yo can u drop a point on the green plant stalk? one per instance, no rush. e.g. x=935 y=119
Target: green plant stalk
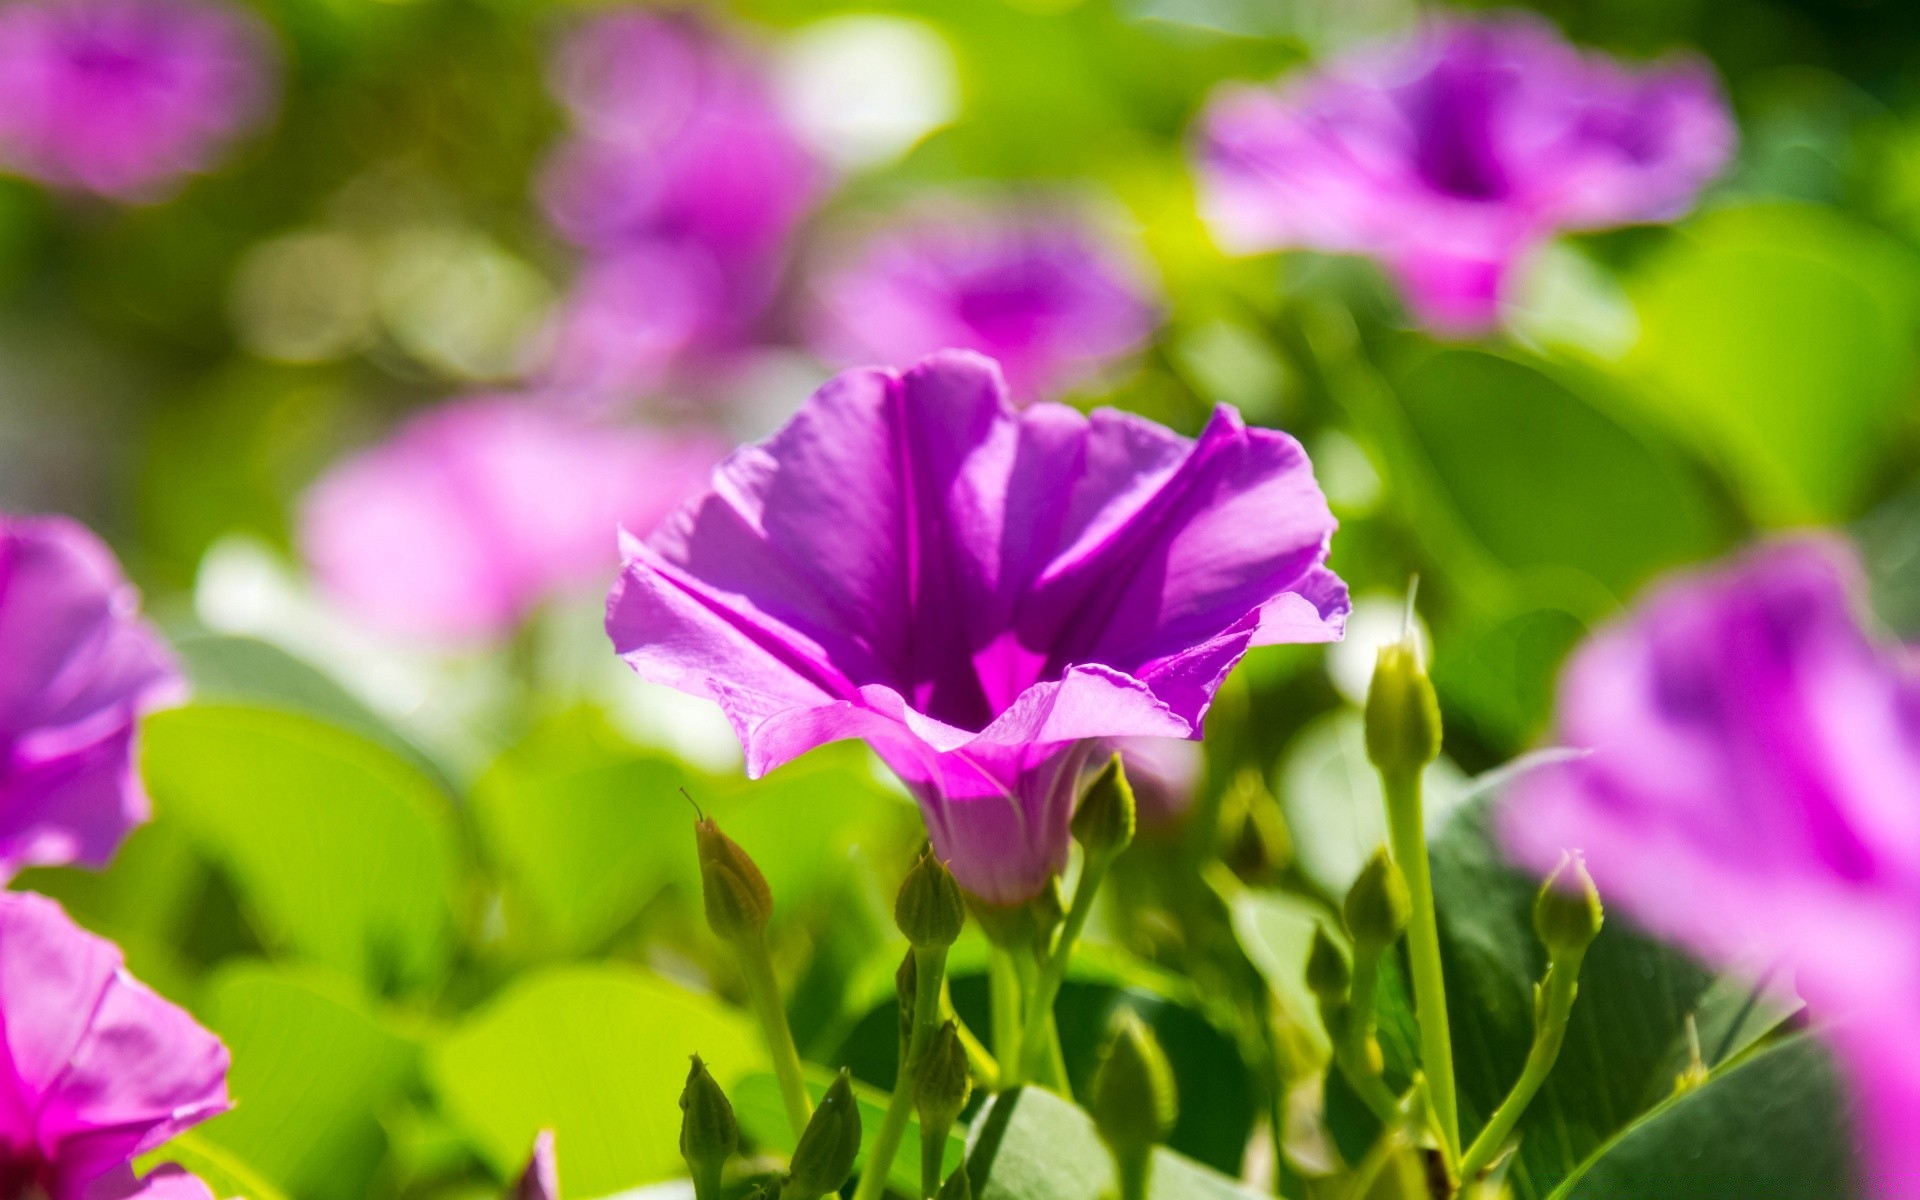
x=1133 y=1169
x=706 y=1182
x=1004 y=980
x=930 y=970
x=1406 y=830
x=933 y=1157
x=763 y=995
x=1041 y=1036
x=1557 y=992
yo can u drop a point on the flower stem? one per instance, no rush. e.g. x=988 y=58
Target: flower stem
x=1041 y=1037
x=763 y=994
x=931 y=968
x=933 y=1157
x=1406 y=829
x=1551 y=1010
x=1004 y=979
x=1134 y=1169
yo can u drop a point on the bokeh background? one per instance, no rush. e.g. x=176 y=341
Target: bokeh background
x=436 y=889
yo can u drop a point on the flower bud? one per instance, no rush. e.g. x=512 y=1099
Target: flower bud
x=1329 y=974
x=1103 y=823
x=738 y=900
x=1254 y=840
x=944 y=1082
x=1567 y=913
x=957 y=1186
x=709 y=1134
x=831 y=1141
x=1134 y=1102
x=1403 y=714
x=1378 y=905
x=929 y=908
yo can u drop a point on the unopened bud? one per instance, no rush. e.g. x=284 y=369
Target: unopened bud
x=1255 y=843
x=1403 y=713
x=1103 y=823
x=957 y=1186
x=709 y=1134
x=944 y=1081
x=1134 y=1102
x=738 y=900
x=929 y=908
x=1329 y=974
x=828 y=1145
x=1567 y=914
x=1378 y=905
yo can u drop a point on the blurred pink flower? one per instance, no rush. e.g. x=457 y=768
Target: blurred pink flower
x=1452 y=154
x=682 y=176
x=983 y=594
x=541 y=1179
x=478 y=510
x=123 y=97
x=1036 y=291
x=1753 y=792
x=98 y=1070
x=77 y=668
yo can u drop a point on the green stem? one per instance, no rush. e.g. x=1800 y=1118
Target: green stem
x=1004 y=980
x=1134 y=1168
x=930 y=969
x=1407 y=831
x=986 y=1069
x=1558 y=989
x=933 y=1157
x=706 y=1182
x=763 y=994
x=1039 y=1039
x=1349 y=1054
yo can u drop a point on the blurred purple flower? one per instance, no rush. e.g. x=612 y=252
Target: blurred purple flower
x=1036 y=291
x=682 y=175
x=77 y=668
x=98 y=1070
x=541 y=1179
x=478 y=510
x=1751 y=793
x=123 y=97
x=983 y=594
x=1452 y=154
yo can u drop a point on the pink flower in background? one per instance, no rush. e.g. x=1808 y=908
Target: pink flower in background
x=1034 y=290
x=683 y=178
x=541 y=1179
x=983 y=594
x=1451 y=155
x=478 y=510
x=77 y=668
x=98 y=1070
x=1753 y=792
x=123 y=97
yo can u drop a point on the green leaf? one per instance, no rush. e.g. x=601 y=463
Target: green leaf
x=312 y=1068
x=1538 y=461
x=342 y=852
x=1781 y=336
x=599 y=1054
x=225 y=1175
x=1772 y=1125
x=763 y=1116
x=1029 y=1144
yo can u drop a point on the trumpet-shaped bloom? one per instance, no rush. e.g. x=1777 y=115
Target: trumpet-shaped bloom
x=478 y=510
x=983 y=594
x=1452 y=154
x=1035 y=291
x=77 y=668
x=98 y=1069
x=1751 y=793
x=123 y=97
x=684 y=181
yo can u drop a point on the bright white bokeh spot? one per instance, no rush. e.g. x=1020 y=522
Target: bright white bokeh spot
x=1377 y=620
x=864 y=89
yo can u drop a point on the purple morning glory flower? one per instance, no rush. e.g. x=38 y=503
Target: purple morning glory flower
x=1452 y=154
x=983 y=594
x=1035 y=290
x=124 y=97
x=98 y=1070
x=478 y=510
x=1751 y=793
x=77 y=669
x=683 y=178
